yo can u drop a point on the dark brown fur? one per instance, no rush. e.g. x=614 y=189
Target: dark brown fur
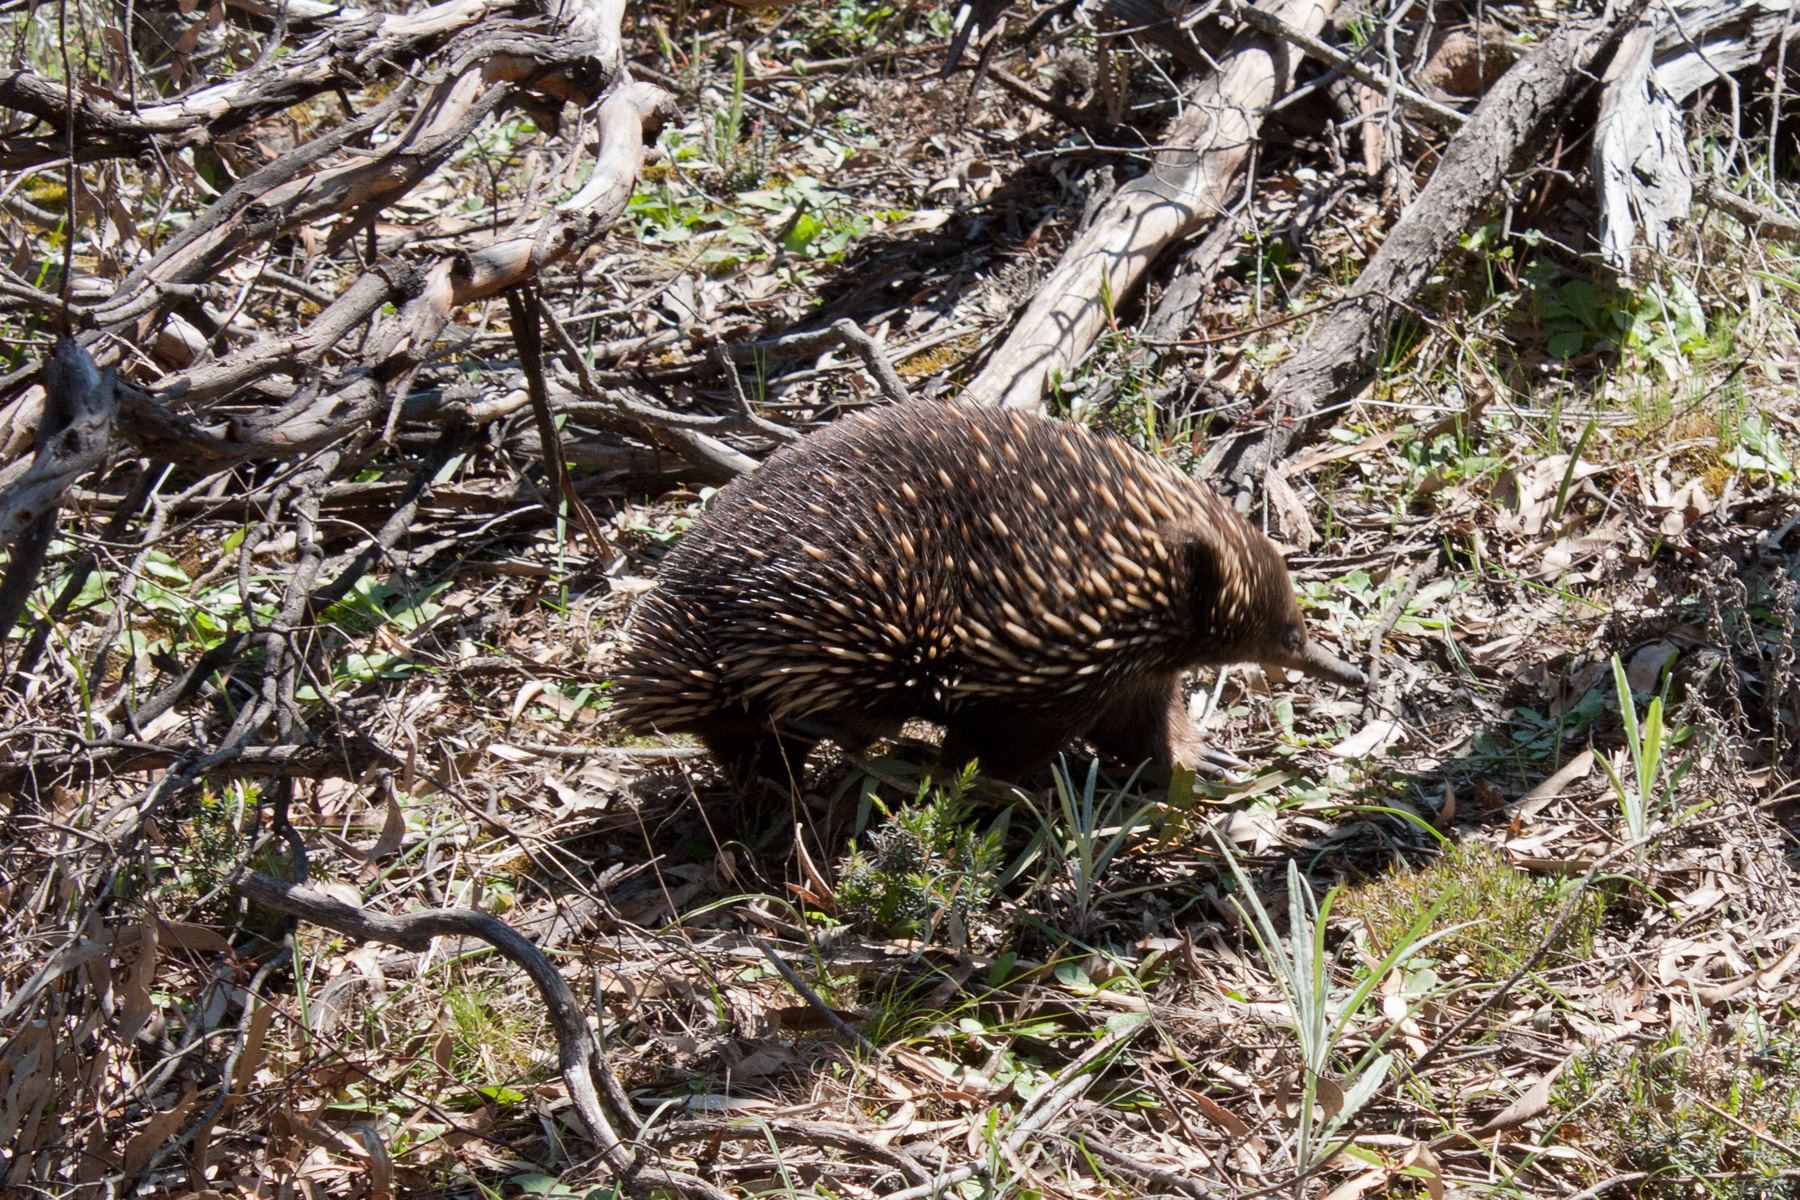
x=1023 y=581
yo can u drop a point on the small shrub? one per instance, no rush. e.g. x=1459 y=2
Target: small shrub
x=924 y=862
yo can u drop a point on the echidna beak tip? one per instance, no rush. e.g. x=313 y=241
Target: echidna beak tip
x=1320 y=663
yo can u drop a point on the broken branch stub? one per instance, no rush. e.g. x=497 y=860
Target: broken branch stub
x=1640 y=158
x=75 y=436
x=1190 y=183
x=1512 y=120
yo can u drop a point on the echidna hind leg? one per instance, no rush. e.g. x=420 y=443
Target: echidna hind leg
x=748 y=752
x=1151 y=723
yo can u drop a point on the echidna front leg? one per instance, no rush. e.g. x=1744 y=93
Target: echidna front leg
x=1151 y=722
x=1009 y=743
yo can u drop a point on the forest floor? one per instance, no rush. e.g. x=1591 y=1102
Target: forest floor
x=1558 y=955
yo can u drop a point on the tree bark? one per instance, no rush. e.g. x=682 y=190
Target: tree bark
x=74 y=437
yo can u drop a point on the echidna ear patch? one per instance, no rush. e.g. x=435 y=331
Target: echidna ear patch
x=1205 y=575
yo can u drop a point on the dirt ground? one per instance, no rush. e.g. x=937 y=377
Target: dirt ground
x=1518 y=920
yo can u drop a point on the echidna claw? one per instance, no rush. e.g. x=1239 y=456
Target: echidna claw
x=1221 y=766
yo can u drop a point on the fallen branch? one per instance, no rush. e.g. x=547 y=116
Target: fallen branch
x=1188 y=185
x=1760 y=221
x=1511 y=121
x=578 y=1054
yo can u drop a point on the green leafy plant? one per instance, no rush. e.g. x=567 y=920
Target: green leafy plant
x=923 y=863
x=742 y=160
x=1648 y=791
x=1302 y=967
x=808 y=219
x=1759 y=449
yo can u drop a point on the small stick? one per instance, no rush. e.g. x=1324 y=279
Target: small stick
x=813 y=998
x=527 y=333
x=741 y=400
x=1389 y=619
x=886 y=378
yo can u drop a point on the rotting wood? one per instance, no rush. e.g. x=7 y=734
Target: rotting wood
x=1189 y=183
x=1639 y=161
x=1640 y=158
x=1336 y=361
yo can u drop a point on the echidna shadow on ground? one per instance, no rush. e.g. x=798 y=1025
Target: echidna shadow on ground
x=1023 y=582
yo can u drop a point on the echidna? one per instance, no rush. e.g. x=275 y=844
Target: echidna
x=1022 y=581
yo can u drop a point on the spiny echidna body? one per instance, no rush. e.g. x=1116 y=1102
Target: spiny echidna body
x=1022 y=581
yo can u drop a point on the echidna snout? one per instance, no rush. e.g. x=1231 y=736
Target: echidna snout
x=1301 y=653
x=1021 y=581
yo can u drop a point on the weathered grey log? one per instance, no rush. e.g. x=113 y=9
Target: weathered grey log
x=1190 y=182
x=75 y=436
x=1511 y=121
x=1640 y=160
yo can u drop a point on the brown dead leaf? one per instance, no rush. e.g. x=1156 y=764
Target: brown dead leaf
x=393 y=830
x=25 y=1076
x=255 y=1040
x=1330 y=1096
x=1350 y=1189
x=511 y=754
x=1532 y=1104
x=1574 y=771
x=1447 y=810
x=1290 y=512
x=1251 y=1148
x=380 y=1162
x=1420 y=1160
x=767 y=1059
x=1768 y=977
x=1488 y=795
x=134 y=994
x=1531 y=491
x=155 y=1134
x=952 y=1077
x=1646 y=665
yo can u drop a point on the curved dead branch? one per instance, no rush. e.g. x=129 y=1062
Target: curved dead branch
x=578 y=1054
